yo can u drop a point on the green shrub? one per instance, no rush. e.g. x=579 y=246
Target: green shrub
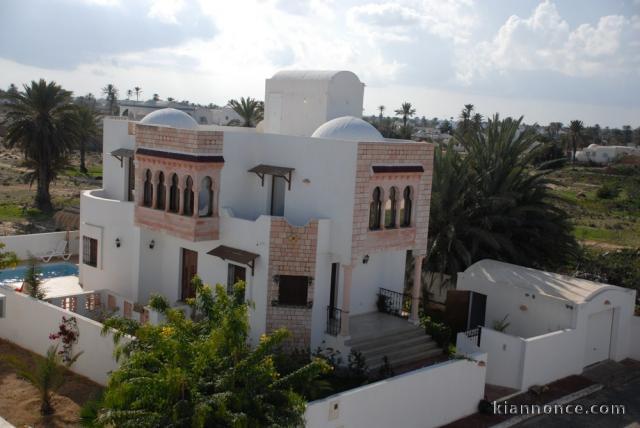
x=439 y=331
x=608 y=191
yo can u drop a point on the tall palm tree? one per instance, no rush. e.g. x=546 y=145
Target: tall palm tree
x=138 y=91
x=43 y=123
x=250 y=110
x=129 y=93
x=156 y=97
x=88 y=122
x=492 y=204
x=111 y=93
x=405 y=111
x=576 y=128
x=381 y=110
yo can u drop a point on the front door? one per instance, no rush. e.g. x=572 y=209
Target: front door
x=333 y=296
x=278 y=190
x=189 y=270
x=478 y=310
x=599 y=330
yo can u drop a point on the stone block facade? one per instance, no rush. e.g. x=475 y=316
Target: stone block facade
x=177 y=140
x=292 y=251
x=395 y=154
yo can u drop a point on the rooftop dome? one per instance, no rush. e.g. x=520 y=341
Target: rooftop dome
x=348 y=128
x=170 y=117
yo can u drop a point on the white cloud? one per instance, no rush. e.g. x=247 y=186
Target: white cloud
x=166 y=10
x=545 y=41
x=399 y=20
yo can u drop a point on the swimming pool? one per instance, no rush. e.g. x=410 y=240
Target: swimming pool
x=47 y=270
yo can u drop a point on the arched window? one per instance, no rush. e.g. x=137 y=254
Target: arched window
x=188 y=197
x=375 y=209
x=174 y=195
x=147 y=197
x=205 y=198
x=390 y=209
x=160 y=192
x=405 y=210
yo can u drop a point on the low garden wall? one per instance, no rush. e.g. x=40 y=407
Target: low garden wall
x=28 y=322
x=37 y=243
x=634 y=352
x=519 y=363
x=428 y=397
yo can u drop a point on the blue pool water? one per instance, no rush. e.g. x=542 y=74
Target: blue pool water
x=47 y=270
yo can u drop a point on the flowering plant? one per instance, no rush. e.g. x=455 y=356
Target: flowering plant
x=68 y=334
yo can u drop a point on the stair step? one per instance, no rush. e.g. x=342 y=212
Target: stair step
x=396 y=334
x=391 y=345
x=404 y=360
x=419 y=348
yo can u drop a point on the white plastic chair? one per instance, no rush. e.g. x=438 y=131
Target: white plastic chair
x=60 y=251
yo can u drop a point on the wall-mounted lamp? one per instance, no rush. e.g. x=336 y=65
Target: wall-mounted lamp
x=365 y=259
x=306 y=181
x=276 y=278
x=152 y=244
x=118 y=242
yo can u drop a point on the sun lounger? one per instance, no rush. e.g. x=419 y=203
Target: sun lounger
x=60 y=251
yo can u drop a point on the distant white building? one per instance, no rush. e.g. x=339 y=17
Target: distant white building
x=604 y=154
x=136 y=110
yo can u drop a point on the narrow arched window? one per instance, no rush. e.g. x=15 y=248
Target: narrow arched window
x=405 y=220
x=390 y=209
x=188 y=197
x=174 y=195
x=205 y=198
x=147 y=197
x=160 y=192
x=375 y=209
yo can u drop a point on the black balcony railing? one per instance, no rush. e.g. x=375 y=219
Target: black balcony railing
x=394 y=303
x=474 y=333
x=334 y=320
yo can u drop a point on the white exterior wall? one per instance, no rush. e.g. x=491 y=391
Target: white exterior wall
x=115 y=136
x=298 y=106
x=328 y=165
x=384 y=270
x=37 y=243
x=28 y=323
x=551 y=357
x=428 y=397
x=543 y=314
x=106 y=220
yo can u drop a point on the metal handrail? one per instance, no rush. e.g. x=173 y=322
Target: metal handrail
x=474 y=333
x=334 y=320
x=394 y=303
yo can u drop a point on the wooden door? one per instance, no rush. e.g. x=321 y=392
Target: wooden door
x=189 y=270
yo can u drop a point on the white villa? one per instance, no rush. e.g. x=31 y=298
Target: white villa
x=604 y=154
x=314 y=209
x=136 y=110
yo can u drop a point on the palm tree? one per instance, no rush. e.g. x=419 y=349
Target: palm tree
x=575 y=132
x=465 y=120
x=47 y=377
x=32 y=280
x=43 y=123
x=250 y=110
x=88 y=122
x=129 y=93
x=476 y=122
x=491 y=204
x=156 y=97
x=111 y=93
x=406 y=111
x=138 y=91
x=381 y=110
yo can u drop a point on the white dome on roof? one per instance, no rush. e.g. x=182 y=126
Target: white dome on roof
x=348 y=128
x=170 y=117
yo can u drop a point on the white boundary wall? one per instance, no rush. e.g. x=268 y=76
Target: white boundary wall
x=428 y=397
x=519 y=363
x=634 y=351
x=28 y=322
x=36 y=243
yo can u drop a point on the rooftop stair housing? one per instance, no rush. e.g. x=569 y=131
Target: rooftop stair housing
x=378 y=335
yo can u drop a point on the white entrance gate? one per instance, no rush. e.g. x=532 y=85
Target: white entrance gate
x=599 y=329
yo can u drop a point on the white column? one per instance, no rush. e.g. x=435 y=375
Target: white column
x=346 y=300
x=417 y=286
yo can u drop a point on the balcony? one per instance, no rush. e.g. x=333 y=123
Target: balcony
x=186 y=227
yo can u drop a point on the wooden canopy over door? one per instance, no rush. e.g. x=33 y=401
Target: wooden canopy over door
x=189 y=270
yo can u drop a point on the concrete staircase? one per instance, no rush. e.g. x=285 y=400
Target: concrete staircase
x=402 y=345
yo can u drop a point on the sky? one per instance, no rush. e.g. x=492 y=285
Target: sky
x=550 y=60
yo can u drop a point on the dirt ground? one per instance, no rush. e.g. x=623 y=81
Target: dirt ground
x=19 y=403
x=18 y=214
